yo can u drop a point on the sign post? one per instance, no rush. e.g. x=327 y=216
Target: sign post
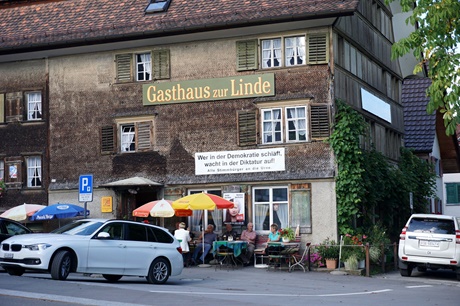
x=85 y=189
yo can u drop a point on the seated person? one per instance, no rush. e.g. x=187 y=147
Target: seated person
x=248 y=235
x=229 y=232
x=274 y=236
x=208 y=239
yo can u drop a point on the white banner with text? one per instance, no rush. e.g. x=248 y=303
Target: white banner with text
x=245 y=161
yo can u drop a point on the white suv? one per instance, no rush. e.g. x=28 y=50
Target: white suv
x=430 y=242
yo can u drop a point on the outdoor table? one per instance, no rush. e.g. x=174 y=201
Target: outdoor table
x=282 y=252
x=237 y=246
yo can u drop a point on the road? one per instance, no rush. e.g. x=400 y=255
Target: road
x=244 y=286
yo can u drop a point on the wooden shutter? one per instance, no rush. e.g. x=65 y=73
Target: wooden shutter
x=13 y=172
x=247 y=128
x=144 y=136
x=161 y=64
x=319 y=121
x=124 y=64
x=14 y=106
x=246 y=54
x=318 y=48
x=107 y=139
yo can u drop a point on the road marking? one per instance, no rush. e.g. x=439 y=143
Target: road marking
x=61 y=298
x=271 y=294
x=420 y=286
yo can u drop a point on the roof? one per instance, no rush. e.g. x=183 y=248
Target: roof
x=50 y=24
x=419 y=127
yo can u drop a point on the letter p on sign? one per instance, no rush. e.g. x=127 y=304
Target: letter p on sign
x=85 y=189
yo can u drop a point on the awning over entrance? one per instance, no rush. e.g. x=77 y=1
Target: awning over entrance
x=133 y=181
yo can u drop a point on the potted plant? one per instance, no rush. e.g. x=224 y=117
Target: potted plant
x=353 y=251
x=329 y=251
x=287 y=234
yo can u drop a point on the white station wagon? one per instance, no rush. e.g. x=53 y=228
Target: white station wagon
x=113 y=248
x=430 y=241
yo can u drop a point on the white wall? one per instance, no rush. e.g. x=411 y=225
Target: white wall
x=453 y=210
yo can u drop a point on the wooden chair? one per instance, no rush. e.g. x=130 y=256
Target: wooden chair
x=300 y=260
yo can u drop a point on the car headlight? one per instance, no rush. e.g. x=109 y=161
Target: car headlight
x=37 y=246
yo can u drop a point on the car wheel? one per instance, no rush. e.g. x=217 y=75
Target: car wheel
x=112 y=278
x=15 y=271
x=60 y=268
x=406 y=272
x=159 y=271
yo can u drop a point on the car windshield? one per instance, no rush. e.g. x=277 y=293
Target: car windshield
x=82 y=228
x=432 y=225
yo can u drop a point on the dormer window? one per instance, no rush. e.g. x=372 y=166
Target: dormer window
x=155 y=6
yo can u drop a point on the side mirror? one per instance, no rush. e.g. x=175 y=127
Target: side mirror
x=103 y=235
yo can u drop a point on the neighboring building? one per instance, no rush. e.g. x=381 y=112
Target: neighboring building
x=228 y=97
x=425 y=134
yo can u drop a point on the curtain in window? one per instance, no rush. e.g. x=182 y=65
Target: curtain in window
x=195 y=220
x=283 y=215
x=33 y=172
x=217 y=217
x=296 y=123
x=260 y=215
x=276 y=52
x=147 y=66
x=127 y=138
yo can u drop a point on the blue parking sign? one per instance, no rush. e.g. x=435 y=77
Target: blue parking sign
x=85 y=189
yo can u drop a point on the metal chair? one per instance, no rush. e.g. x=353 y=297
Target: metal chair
x=300 y=260
x=225 y=257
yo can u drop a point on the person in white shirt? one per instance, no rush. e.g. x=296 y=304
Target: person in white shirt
x=183 y=236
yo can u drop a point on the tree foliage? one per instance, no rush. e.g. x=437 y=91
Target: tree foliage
x=369 y=188
x=434 y=44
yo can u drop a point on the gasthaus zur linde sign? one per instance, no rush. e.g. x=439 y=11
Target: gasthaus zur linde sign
x=247 y=86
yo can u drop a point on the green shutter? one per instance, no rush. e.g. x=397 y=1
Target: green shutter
x=144 y=136
x=318 y=48
x=124 y=67
x=319 y=121
x=2 y=108
x=247 y=128
x=452 y=193
x=107 y=139
x=161 y=64
x=246 y=55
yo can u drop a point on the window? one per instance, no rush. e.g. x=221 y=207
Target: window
x=155 y=6
x=453 y=193
x=270 y=206
x=295 y=50
x=301 y=207
x=295 y=121
x=128 y=138
x=271 y=53
x=34 y=171
x=213 y=217
x=34 y=106
x=143 y=67
x=271 y=125
x=296 y=118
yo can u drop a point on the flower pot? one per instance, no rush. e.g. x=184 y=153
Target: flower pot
x=331 y=263
x=285 y=239
x=361 y=264
x=351 y=264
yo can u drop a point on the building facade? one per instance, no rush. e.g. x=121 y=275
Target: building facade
x=180 y=97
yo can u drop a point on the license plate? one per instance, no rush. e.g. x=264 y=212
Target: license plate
x=9 y=255
x=429 y=243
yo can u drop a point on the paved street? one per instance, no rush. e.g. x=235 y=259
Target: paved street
x=247 y=286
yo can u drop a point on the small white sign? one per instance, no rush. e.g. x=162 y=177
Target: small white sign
x=245 y=161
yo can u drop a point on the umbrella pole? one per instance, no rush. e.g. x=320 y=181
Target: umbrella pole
x=203 y=265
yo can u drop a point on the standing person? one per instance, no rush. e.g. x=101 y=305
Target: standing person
x=209 y=238
x=248 y=235
x=184 y=236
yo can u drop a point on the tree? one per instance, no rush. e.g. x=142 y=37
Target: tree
x=434 y=44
